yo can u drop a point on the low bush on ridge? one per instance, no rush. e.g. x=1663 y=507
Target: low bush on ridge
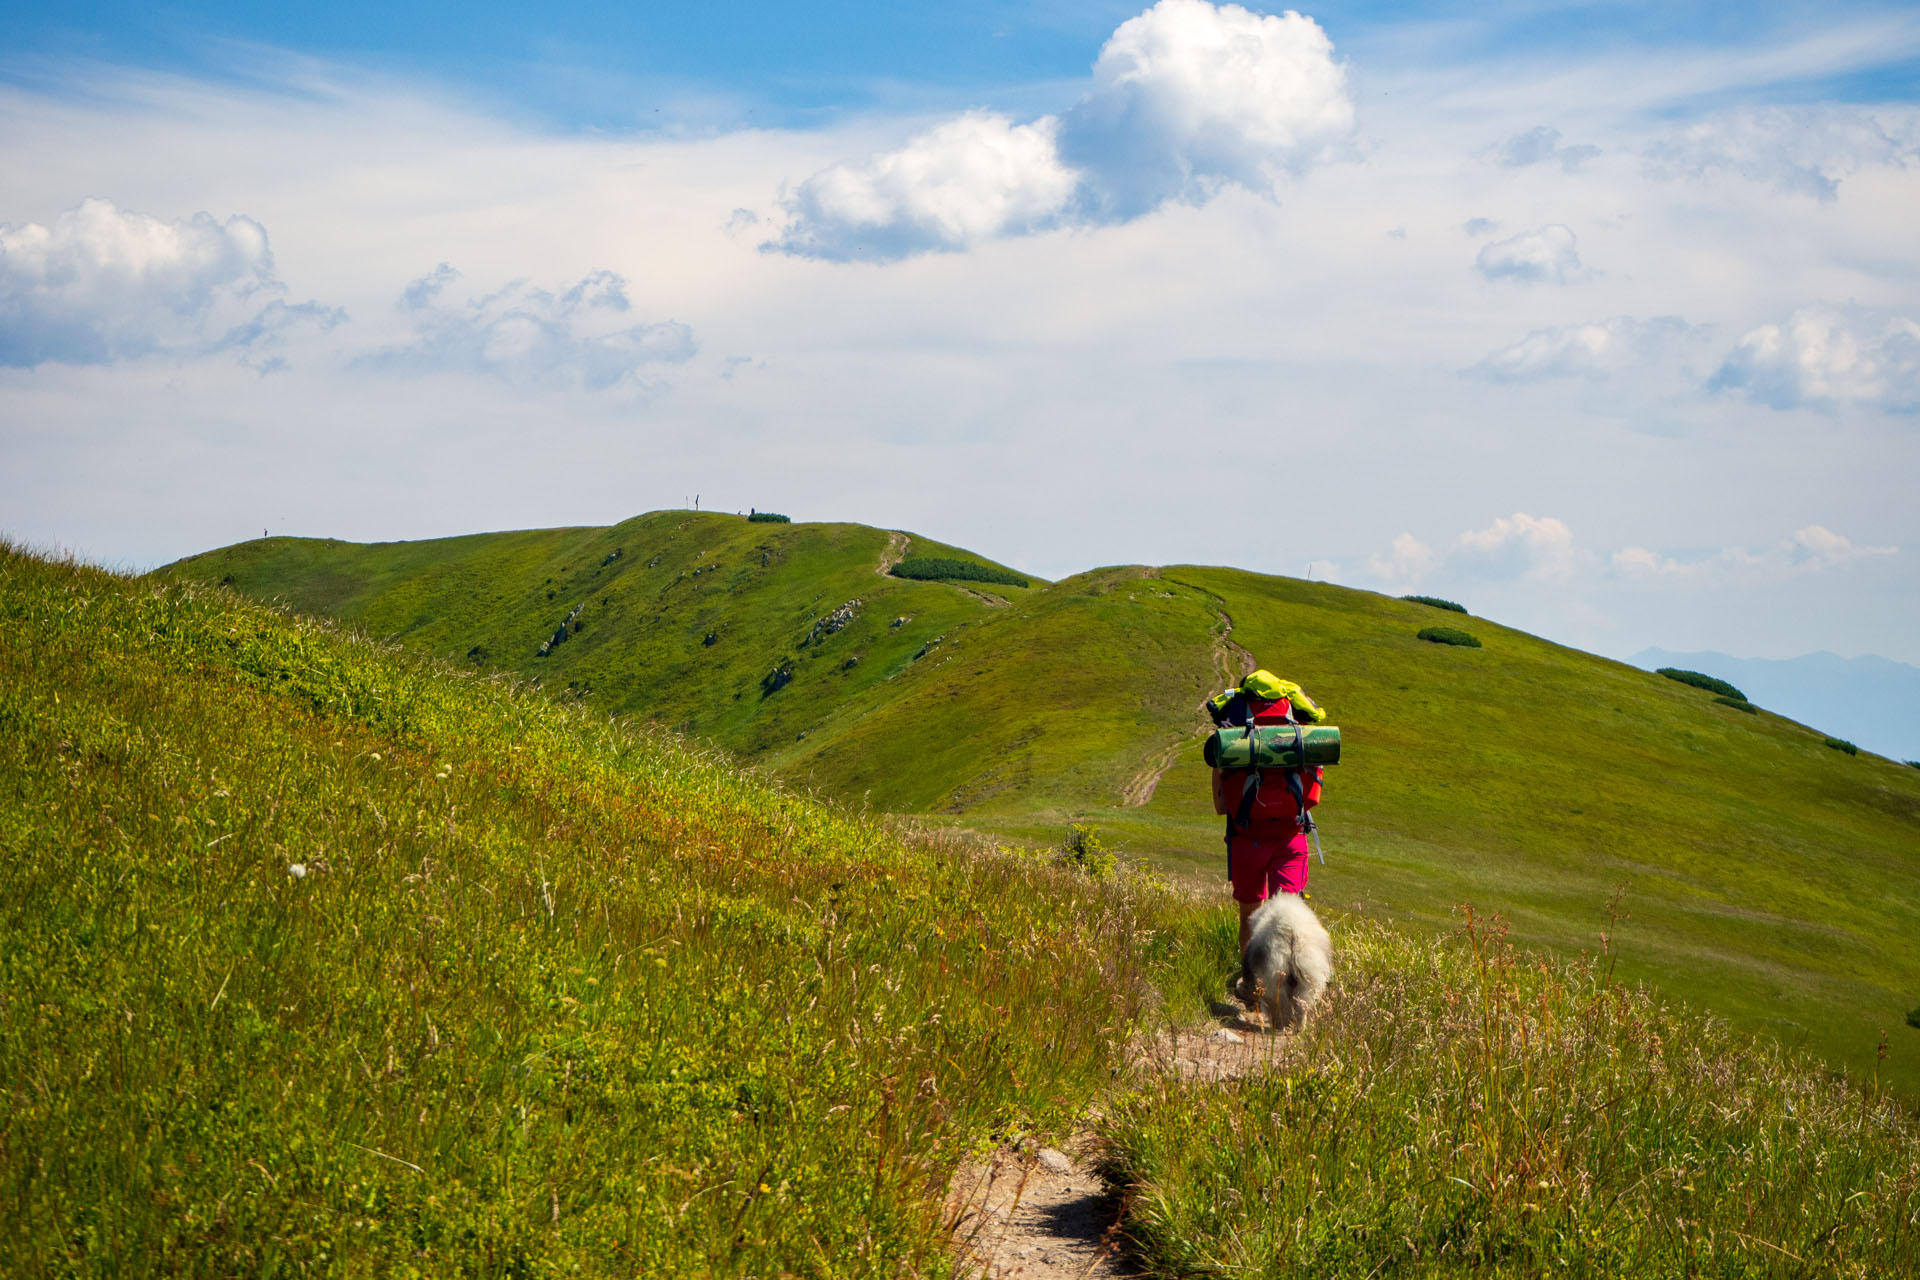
x=1462 y=1107
x=1738 y=704
x=767 y=517
x=1700 y=680
x=1449 y=635
x=1841 y=744
x=1437 y=603
x=323 y=959
x=936 y=568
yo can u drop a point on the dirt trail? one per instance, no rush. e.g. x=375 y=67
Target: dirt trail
x=1141 y=786
x=1044 y=1214
x=1231 y=662
x=984 y=597
x=895 y=552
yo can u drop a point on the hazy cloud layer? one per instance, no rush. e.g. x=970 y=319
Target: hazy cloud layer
x=1594 y=350
x=1542 y=551
x=104 y=284
x=1187 y=98
x=1825 y=357
x=1546 y=255
x=1541 y=145
x=522 y=334
x=1806 y=550
x=1803 y=149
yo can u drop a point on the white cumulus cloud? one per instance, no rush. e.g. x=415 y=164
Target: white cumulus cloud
x=1519 y=547
x=978 y=176
x=1405 y=565
x=577 y=336
x=1595 y=349
x=1188 y=97
x=1825 y=357
x=1549 y=253
x=103 y=284
x=1805 y=149
x=1535 y=549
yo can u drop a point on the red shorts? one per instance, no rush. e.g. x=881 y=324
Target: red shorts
x=1264 y=866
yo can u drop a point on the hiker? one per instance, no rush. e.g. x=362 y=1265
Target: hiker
x=1265 y=809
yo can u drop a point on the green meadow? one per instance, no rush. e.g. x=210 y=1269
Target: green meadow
x=1764 y=876
x=322 y=960
x=323 y=956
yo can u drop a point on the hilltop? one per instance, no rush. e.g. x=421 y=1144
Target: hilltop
x=1765 y=876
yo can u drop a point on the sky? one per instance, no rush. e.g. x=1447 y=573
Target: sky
x=1600 y=319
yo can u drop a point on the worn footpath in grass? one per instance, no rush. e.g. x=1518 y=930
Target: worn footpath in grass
x=1459 y=1107
x=318 y=958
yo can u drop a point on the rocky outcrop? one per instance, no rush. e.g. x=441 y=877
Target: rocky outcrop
x=568 y=625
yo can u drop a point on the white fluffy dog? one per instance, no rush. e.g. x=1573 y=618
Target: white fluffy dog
x=1287 y=961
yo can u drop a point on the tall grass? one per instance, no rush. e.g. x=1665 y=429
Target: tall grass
x=320 y=959
x=1464 y=1107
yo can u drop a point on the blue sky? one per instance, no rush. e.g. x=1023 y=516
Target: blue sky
x=620 y=65
x=1604 y=319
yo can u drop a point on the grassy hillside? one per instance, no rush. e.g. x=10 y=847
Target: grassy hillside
x=680 y=616
x=319 y=960
x=1766 y=876
x=322 y=959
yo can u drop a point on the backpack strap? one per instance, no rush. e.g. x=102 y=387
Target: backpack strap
x=1294 y=775
x=1250 y=790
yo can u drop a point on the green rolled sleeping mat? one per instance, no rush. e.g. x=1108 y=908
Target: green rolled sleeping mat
x=1272 y=746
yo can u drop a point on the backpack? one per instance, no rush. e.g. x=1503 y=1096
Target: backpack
x=1261 y=721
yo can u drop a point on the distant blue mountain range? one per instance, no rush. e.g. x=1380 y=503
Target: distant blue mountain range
x=1870 y=701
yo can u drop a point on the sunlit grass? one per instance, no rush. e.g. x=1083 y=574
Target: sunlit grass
x=320 y=958
x=1460 y=1107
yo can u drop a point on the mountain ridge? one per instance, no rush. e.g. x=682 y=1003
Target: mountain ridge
x=1767 y=877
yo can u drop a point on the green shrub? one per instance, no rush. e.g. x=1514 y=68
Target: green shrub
x=1085 y=850
x=1702 y=681
x=1437 y=603
x=767 y=517
x=1913 y=1015
x=1841 y=744
x=1449 y=635
x=1738 y=704
x=934 y=568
